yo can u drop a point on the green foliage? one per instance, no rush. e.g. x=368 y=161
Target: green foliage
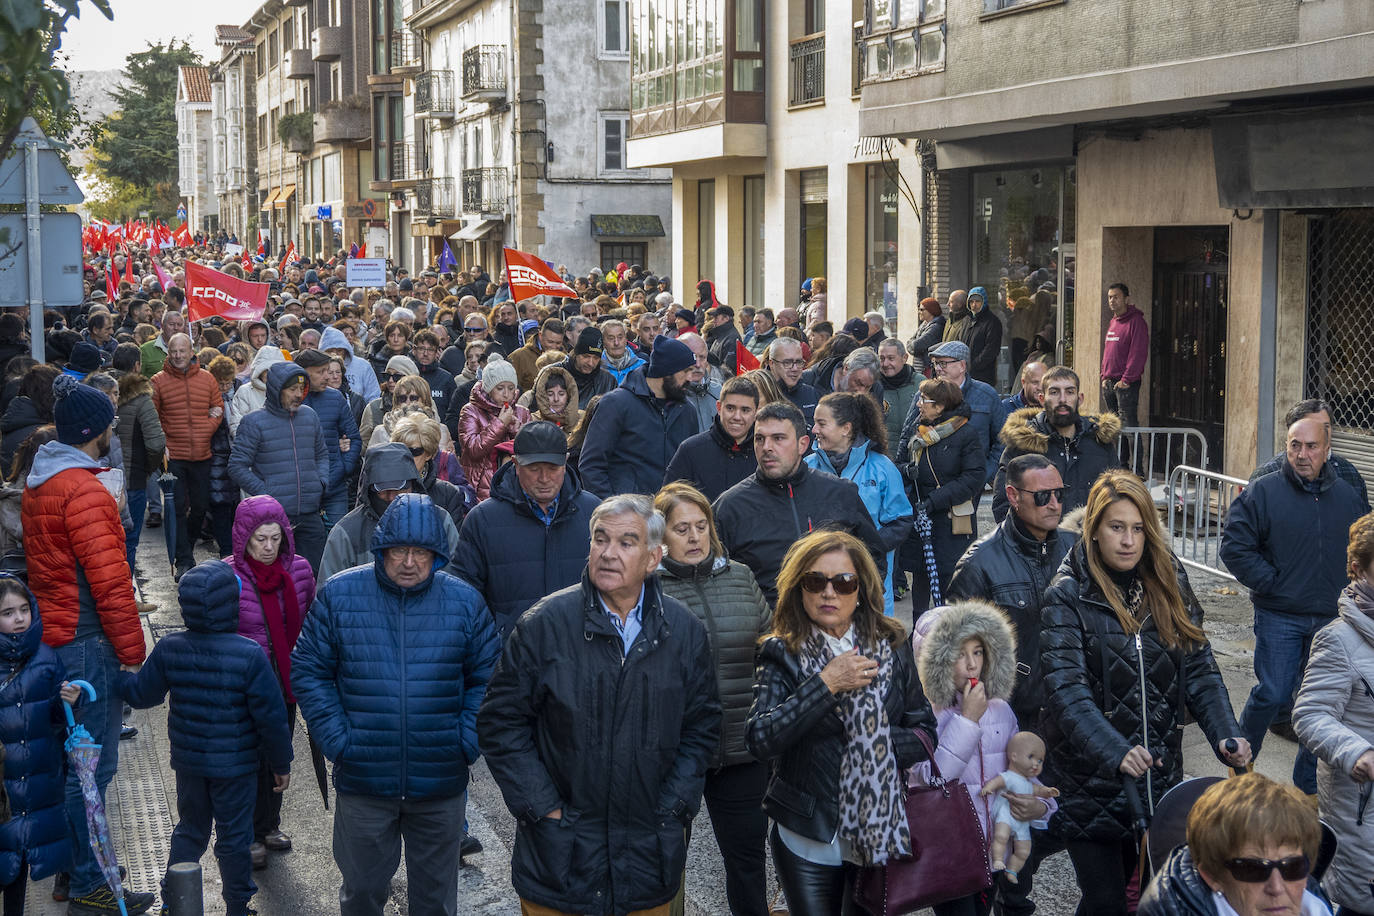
x=115 y=199
x=138 y=142
x=296 y=126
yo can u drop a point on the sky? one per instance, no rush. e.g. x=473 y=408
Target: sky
x=95 y=43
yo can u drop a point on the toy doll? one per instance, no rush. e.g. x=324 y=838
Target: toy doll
x=1025 y=758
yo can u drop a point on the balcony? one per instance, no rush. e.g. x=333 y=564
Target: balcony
x=434 y=197
x=401 y=168
x=221 y=184
x=327 y=43
x=484 y=73
x=806 y=70
x=299 y=65
x=485 y=191
x=236 y=178
x=218 y=127
x=340 y=124
x=407 y=53
x=434 y=94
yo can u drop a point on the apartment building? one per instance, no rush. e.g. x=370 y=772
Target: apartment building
x=1214 y=161
x=194 y=142
x=233 y=160
x=755 y=110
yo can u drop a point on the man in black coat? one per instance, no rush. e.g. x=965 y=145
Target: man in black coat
x=603 y=781
x=529 y=538
x=1081 y=446
x=984 y=338
x=586 y=369
x=425 y=350
x=722 y=455
x=721 y=337
x=760 y=517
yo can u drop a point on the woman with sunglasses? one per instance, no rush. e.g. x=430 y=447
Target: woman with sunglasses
x=1123 y=660
x=1251 y=845
x=835 y=693
x=1334 y=717
x=410 y=394
x=489 y=418
x=397 y=368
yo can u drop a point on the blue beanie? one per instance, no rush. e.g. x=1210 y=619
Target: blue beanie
x=80 y=412
x=669 y=357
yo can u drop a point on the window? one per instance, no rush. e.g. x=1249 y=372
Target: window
x=276 y=115
x=614 y=26
x=753 y=241
x=706 y=229
x=261 y=57
x=996 y=6
x=262 y=131
x=903 y=38
x=333 y=176
x=273 y=49
x=288 y=35
x=612 y=253
x=614 y=127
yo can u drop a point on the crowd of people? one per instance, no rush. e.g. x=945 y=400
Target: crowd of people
x=580 y=540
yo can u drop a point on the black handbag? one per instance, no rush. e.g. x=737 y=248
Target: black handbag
x=949 y=856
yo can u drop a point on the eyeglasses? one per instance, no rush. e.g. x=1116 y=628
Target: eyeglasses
x=408 y=554
x=426 y=349
x=791 y=363
x=922 y=399
x=1257 y=871
x=394 y=376
x=844 y=583
x=942 y=363
x=406 y=399
x=1042 y=497
x=473 y=330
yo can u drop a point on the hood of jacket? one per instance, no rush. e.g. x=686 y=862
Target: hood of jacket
x=21 y=413
x=252 y=514
x=386 y=462
x=541 y=397
x=278 y=377
x=263 y=360
x=55 y=457
x=132 y=385
x=1357 y=619
x=331 y=338
x=940 y=633
x=209 y=596
x=410 y=521
x=858 y=453
x=18 y=647
x=981 y=293
x=479 y=398
x=1029 y=429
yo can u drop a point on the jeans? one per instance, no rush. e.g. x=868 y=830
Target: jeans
x=1124 y=402
x=335 y=508
x=310 y=534
x=1282 y=642
x=228 y=805
x=1103 y=870
x=192 y=502
x=92 y=659
x=368 y=833
x=267 y=805
x=812 y=889
x=734 y=798
x=138 y=502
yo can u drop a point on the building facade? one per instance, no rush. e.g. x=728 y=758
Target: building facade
x=194 y=148
x=233 y=166
x=754 y=108
x=1078 y=143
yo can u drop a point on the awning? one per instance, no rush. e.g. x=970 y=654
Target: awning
x=284 y=196
x=475 y=230
x=271 y=198
x=626 y=226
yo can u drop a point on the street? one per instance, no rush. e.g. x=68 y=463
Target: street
x=304 y=881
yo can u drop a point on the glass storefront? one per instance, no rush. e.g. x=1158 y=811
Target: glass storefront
x=880 y=254
x=1022 y=218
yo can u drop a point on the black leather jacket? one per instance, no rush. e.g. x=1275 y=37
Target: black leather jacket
x=795 y=727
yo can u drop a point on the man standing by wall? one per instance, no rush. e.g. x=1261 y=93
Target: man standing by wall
x=1123 y=355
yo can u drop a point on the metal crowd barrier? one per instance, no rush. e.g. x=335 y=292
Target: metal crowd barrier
x=1198 y=502
x=1152 y=452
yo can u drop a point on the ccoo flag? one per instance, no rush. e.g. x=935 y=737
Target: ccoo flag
x=210 y=292
x=529 y=276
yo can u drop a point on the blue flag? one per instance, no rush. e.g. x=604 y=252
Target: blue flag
x=447 y=262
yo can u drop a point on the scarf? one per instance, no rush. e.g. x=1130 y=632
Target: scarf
x=872 y=812
x=624 y=362
x=926 y=436
x=281 y=614
x=1361 y=595
x=900 y=380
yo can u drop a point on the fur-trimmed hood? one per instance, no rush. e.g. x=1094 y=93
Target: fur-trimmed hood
x=1028 y=430
x=133 y=384
x=568 y=419
x=941 y=631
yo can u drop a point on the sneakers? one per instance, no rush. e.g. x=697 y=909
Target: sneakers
x=154 y=520
x=258 y=852
x=61 y=887
x=180 y=571
x=102 y=900
x=146 y=607
x=127 y=731
x=277 y=841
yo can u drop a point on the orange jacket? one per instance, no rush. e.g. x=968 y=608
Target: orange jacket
x=71 y=523
x=184 y=401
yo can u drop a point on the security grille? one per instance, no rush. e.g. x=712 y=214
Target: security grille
x=1340 y=332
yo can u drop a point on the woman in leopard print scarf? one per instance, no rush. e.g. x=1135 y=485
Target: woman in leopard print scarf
x=837 y=702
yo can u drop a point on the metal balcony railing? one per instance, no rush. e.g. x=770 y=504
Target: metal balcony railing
x=400 y=162
x=807 y=73
x=484 y=72
x=485 y=190
x=435 y=197
x=434 y=94
x=407 y=52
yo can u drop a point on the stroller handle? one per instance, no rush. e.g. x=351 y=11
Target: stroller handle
x=67 y=707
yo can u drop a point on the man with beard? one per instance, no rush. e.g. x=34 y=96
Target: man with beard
x=585 y=367
x=638 y=427
x=1030 y=393
x=784 y=361
x=1081 y=446
x=898 y=385
x=616 y=354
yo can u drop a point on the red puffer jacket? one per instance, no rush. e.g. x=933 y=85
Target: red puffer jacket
x=70 y=522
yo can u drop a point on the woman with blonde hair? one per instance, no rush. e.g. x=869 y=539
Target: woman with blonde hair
x=1124 y=659
x=422 y=434
x=837 y=704
x=769 y=392
x=411 y=394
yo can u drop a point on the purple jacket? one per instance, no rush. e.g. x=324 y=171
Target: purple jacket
x=252 y=513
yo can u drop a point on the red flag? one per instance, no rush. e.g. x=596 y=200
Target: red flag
x=246 y=262
x=162 y=277
x=182 y=237
x=129 y=266
x=210 y=292
x=111 y=289
x=745 y=359
x=529 y=276
x=262 y=248
x=289 y=256
x=362 y=250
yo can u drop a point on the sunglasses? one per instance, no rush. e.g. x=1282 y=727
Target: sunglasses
x=394 y=376
x=416 y=450
x=406 y=399
x=1042 y=497
x=473 y=330
x=1257 y=871
x=844 y=583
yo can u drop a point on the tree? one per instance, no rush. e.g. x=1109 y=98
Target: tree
x=138 y=143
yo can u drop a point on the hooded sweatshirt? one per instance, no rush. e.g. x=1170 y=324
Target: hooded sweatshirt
x=253 y=396
x=282 y=453
x=362 y=380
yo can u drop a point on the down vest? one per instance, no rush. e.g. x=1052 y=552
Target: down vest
x=1095 y=713
x=279 y=453
x=390 y=678
x=512 y=557
x=226 y=705
x=35 y=774
x=1080 y=459
x=631 y=439
x=184 y=399
x=725 y=598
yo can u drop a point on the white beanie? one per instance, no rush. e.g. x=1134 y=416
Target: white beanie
x=497 y=371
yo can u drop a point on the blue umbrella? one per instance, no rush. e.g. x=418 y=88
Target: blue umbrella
x=84 y=754
x=168 y=483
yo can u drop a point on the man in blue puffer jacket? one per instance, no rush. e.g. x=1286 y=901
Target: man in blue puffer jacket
x=389 y=672
x=226 y=705
x=280 y=451
x=341 y=436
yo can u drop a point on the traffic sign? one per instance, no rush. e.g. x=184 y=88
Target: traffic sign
x=55 y=184
x=60 y=235
x=369 y=208
x=324 y=211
